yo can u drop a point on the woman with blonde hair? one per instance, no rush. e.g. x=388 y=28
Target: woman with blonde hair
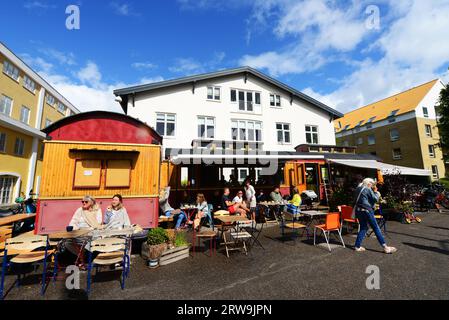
x=88 y=216
x=366 y=198
x=116 y=216
x=203 y=210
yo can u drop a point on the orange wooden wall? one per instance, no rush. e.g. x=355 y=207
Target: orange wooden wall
x=58 y=169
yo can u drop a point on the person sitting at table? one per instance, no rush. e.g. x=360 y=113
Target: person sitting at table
x=167 y=209
x=88 y=216
x=231 y=206
x=294 y=204
x=116 y=216
x=261 y=197
x=276 y=196
x=203 y=210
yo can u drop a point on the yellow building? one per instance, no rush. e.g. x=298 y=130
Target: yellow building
x=27 y=105
x=401 y=129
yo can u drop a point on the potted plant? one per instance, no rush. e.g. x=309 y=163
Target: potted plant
x=180 y=250
x=155 y=245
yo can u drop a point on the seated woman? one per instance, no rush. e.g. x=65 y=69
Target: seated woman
x=294 y=204
x=89 y=217
x=203 y=210
x=116 y=216
x=233 y=207
x=167 y=209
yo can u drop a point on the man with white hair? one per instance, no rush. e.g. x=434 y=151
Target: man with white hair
x=366 y=198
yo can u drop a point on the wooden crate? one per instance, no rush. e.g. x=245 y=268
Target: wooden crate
x=175 y=254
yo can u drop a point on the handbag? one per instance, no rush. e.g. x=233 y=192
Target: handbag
x=355 y=204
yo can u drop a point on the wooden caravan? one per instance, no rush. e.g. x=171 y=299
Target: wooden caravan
x=99 y=154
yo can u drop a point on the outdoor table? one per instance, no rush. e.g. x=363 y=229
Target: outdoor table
x=190 y=211
x=230 y=220
x=16 y=218
x=63 y=236
x=313 y=215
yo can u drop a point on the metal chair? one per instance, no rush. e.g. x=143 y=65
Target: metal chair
x=290 y=221
x=22 y=249
x=332 y=224
x=111 y=251
x=346 y=216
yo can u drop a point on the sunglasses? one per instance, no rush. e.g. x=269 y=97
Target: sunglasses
x=84 y=201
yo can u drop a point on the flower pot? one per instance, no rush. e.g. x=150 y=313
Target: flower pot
x=153 y=253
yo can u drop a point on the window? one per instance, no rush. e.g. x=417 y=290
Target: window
x=213 y=93
x=6 y=189
x=369 y=123
x=397 y=154
x=87 y=174
x=425 y=112
x=41 y=152
x=391 y=117
x=50 y=100
x=6 y=105
x=47 y=122
x=431 y=151
x=62 y=108
x=11 y=70
x=19 y=147
x=165 y=124
x=118 y=173
x=206 y=127
x=25 y=115
x=428 y=128
x=312 y=134
x=246 y=99
x=360 y=140
x=394 y=134
x=243 y=174
x=275 y=100
x=371 y=140
x=346 y=127
x=244 y=130
x=2 y=142
x=283 y=132
x=435 y=174
x=29 y=84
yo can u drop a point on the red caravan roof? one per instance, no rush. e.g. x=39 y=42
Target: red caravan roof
x=102 y=126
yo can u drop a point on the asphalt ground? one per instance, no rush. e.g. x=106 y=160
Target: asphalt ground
x=283 y=270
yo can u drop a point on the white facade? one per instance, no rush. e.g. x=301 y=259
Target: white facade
x=187 y=106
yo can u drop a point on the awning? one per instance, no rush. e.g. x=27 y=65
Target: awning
x=387 y=169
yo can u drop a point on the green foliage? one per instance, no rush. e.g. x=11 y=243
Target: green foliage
x=340 y=195
x=445 y=182
x=443 y=122
x=180 y=239
x=157 y=236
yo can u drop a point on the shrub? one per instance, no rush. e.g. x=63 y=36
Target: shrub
x=157 y=236
x=180 y=239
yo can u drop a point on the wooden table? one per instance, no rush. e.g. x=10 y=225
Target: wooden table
x=313 y=215
x=16 y=218
x=61 y=235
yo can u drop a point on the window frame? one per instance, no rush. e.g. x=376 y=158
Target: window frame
x=398 y=136
x=5 y=70
x=435 y=174
x=47 y=102
x=359 y=141
x=368 y=139
x=20 y=147
x=283 y=131
x=213 y=93
x=28 y=114
x=245 y=99
x=2 y=98
x=205 y=118
x=311 y=132
x=275 y=104
x=27 y=80
x=255 y=122
x=428 y=133
x=431 y=150
x=5 y=140
x=397 y=157
x=165 y=124
x=426 y=112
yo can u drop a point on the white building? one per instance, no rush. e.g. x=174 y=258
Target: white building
x=239 y=104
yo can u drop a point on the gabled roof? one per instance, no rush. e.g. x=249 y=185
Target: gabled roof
x=241 y=70
x=403 y=102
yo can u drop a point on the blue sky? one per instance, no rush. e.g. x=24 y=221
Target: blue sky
x=335 y=51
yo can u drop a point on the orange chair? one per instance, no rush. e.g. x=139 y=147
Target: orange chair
x=332 y=224
x=346 y=216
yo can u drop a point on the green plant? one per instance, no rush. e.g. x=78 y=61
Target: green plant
x=157 y=236
x=180 y=239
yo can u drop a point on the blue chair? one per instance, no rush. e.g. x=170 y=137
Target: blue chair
x=22 y=250
x=111 y=251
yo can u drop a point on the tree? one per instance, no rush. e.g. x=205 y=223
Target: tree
x=443 y=122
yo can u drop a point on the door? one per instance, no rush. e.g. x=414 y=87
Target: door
x=312 y=182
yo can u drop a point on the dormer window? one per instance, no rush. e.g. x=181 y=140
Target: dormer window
x=346 y=127
x=391 y=117
x=213 y=93
x=369 y=123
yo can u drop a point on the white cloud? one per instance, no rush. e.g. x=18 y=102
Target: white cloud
x=143 y=65
x=61 y=57
x=37 y=5
x=317 y=26
x=414 y=52
x=186 y=65
x=90 y=74
x=124 y=9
